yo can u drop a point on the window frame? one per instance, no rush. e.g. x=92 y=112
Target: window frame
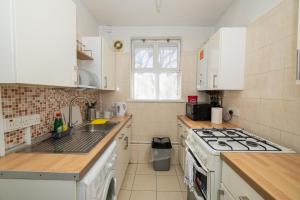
x=156 y=44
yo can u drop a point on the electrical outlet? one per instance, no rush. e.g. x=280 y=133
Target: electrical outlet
x=12 y=124
x=31 y=120
x=236 y=111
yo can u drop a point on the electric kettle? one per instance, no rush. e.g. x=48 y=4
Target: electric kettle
x=121 y=109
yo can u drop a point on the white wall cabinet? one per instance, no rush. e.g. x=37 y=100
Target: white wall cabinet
x=38 y=42
x=99 y=72
x=108 y=66
x=234 y=187
x=202 y=68
x=182 y=132
x=298 y=50
x=221 y=67
x=123 y=153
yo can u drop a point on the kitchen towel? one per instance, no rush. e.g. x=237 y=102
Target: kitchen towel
x=188 y=172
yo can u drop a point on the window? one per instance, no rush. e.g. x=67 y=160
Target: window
x=155 y=70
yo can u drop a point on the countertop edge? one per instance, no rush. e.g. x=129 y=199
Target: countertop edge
x=71 y=175
x=64 y=176
x=257 y=187
x=206 y=124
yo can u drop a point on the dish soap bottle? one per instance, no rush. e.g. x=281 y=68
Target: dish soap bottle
x=58 y=123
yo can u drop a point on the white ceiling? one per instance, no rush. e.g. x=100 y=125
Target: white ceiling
x=143 y=12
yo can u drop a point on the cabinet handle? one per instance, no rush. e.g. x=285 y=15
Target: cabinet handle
x=127 y=142
x=76 y=81
x=220 y=193
x=298 y=65
x=105 y=79
x=243 y=198
x=121 y=137
x=182 y=144
x=214 y=81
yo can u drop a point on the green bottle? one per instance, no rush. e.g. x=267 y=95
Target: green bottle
x=58 y=123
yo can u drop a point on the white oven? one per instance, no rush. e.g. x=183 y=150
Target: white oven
x=203 y=180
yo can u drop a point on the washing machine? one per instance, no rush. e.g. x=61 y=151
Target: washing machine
x=100 y=182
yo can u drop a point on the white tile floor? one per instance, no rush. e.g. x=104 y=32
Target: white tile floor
x=142 y=182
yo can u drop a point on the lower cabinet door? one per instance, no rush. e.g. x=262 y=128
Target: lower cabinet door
x=225 y=194
x=181 y=162
x=119 y=162
x=183 y=158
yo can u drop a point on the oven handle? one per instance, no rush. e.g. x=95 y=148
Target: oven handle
x=200 y=169
x=197 y=159
x=198 y=197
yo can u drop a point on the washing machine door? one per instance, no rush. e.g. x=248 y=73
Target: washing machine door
x=109 y=192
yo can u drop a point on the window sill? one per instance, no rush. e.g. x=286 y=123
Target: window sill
x=156 y=101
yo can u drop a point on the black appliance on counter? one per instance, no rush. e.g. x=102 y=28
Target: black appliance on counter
x=198 y=111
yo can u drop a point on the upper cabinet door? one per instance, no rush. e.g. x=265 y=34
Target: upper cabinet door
x=225 y=60
x=202 y=68
x=108 y=66
x=43 y=44
x=214 y=61
x=298 y=51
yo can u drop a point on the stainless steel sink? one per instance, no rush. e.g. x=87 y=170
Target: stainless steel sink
x=96 y=128
x=82 y=139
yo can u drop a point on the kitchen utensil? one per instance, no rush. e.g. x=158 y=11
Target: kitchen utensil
x=91 y=111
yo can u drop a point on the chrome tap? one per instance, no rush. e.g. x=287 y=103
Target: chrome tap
x=70 y=108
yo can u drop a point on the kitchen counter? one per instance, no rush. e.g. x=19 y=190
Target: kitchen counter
x=203 y=124
x=56 y=166
x=273 y=176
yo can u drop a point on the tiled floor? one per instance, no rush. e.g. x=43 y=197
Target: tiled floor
x=142 y=182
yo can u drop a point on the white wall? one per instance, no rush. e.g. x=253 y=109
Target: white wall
x=155 y=119
x=192 y=37
x=86 y=23
x=243 y=12
x=270 y=103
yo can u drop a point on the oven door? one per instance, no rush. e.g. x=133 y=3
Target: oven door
x=200 y=180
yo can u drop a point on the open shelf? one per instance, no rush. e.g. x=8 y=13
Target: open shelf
x=83 y=56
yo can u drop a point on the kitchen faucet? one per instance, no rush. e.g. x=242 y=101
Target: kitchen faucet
x=70 y=108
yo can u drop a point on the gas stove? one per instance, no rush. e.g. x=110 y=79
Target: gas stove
x=205 y=145
x=234 y=140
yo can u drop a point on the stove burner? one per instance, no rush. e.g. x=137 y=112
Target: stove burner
x=251 y=143
x=207 y=132
x=231 y=133
x=221 y=143
x=234 y=140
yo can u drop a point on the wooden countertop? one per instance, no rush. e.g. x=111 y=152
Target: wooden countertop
x=273 y=176
x=75 y=166
x=203 y=124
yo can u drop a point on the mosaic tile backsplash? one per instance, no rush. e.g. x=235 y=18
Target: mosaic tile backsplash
x=28 y=100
